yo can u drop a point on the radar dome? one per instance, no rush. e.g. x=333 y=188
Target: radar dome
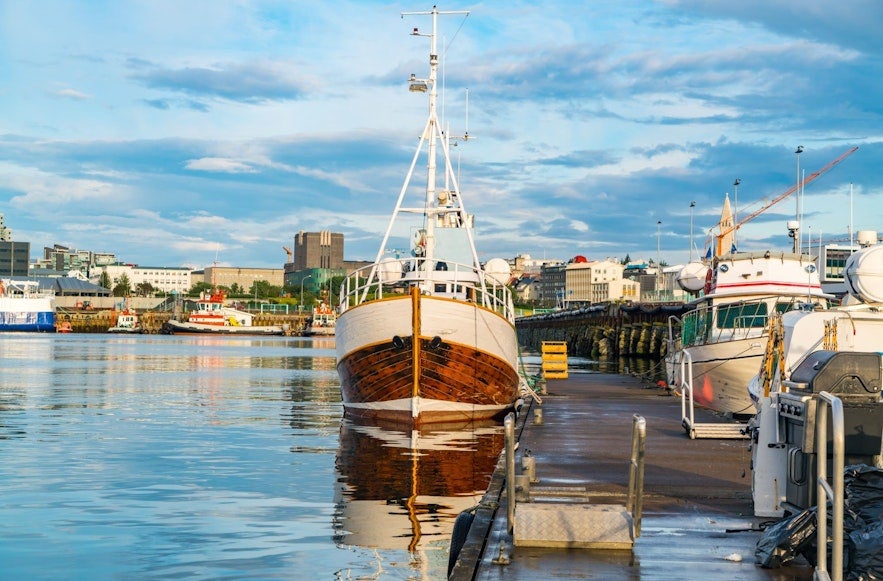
x=498 y=270
x=389 y=270
x=692 y=277
x=864 y=274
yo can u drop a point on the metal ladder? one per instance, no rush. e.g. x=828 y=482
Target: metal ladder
x=718 y=431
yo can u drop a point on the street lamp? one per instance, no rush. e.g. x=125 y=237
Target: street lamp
x=302 y=281
x=658 y=264
x=692 y=205
x=796 y=228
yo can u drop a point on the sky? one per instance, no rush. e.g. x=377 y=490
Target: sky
x=210 y=131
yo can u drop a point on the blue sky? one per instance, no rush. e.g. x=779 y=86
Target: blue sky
x=177 y=133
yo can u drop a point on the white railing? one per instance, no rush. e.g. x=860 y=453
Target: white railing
x=438 y=278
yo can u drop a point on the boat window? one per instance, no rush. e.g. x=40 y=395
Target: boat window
x=742 y=316
x=440 y=288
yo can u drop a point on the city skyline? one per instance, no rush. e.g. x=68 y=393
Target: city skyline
x=182 y=135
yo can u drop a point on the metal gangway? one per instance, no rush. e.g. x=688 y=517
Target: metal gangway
x=683 y=362
x=576 y=523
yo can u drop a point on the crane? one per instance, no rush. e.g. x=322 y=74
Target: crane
x=288 y=253
x=808 y=179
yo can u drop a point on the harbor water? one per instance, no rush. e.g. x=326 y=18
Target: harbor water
x=201 y=457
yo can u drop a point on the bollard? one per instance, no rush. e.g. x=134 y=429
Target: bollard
x=529 y=467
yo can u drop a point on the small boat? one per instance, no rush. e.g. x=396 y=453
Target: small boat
x=64 y=327
x=211 y=315
x=23 y=307
x=323 y=321
x=431 y=337
x=127 y=322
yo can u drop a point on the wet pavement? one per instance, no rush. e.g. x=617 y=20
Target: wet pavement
x=698 y=518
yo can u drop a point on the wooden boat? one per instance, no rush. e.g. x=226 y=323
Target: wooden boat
x=211 y=315
x=431 y=337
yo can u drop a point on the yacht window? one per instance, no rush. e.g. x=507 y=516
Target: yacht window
x=742 y=316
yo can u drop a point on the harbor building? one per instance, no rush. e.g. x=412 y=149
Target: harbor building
x=176 y=280
x=227 y=276
x=63 y=259
x=318 y=257
x=14 y=258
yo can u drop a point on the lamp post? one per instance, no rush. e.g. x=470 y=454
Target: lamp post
x=658 y=263
x=692 y=205
x=302 y=281
x=798 y=151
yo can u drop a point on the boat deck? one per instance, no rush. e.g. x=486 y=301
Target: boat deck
x=698 y=519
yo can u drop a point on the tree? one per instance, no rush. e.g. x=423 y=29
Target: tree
x=123 y=287
x=104 y=280
x=199 y=288
x=144 y=289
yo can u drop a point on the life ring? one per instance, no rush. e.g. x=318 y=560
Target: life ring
x=708 y=277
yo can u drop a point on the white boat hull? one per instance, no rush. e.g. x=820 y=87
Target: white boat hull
x=184 y=327
x=721 y=373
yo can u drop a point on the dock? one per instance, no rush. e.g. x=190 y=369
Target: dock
x=697 y=520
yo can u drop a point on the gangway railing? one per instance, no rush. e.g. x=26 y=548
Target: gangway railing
x=684 y=362
x=826 y=491
x=635 y=502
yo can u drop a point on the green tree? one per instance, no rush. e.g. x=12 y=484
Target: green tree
x=123 y=287
x=104 y=280
x=199 y=288
x=144 y=289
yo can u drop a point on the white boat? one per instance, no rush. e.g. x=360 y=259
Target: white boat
x=323 y=321
x=725 y=333
x=429 y=338
x=127 y=322
x=854 y=326
x=211 y=315
x=23 y=307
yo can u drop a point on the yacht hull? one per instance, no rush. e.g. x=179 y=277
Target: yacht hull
x=721 y=373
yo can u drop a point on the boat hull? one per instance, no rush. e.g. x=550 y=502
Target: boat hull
x=27 y=315
x=462 y=366
x=722 y=372
x=184 y=327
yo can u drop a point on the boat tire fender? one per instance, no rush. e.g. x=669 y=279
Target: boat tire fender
x=458 y=536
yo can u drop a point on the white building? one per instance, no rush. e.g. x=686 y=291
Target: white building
x=597 y=281
x=165 y=279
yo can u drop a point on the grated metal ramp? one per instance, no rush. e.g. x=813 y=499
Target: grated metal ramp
x=715 y=431
x=573 y=526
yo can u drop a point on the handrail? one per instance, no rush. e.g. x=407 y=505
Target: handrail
x=686 y=385
x=824 y=490
x=635 y=502
x=367 y=283
x=509 y=430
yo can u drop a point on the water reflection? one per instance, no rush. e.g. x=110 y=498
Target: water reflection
x=402 y=491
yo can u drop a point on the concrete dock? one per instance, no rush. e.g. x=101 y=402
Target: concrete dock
x=698 y=518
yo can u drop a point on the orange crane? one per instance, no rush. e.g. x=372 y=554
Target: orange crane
x=808 y=179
